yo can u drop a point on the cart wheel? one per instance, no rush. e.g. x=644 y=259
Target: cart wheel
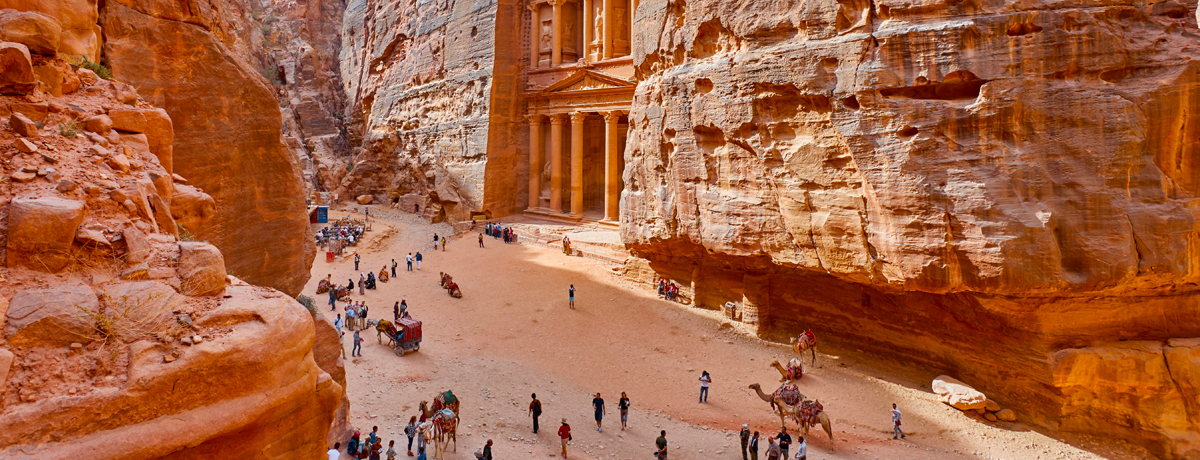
x=417 y=347
x=399 y=351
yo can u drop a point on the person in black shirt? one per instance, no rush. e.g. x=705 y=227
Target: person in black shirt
x=754 y=446
x=598 y=404
x=661 y=443
x=535 y=409
x=623 y=405
x=785 y=440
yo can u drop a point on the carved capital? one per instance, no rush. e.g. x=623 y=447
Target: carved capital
x=578 y=117
x=534 y=118
x=613 y=117
x=557 y=118
x=557 y=3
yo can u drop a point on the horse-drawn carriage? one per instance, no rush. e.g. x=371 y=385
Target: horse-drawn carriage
x=403 y=335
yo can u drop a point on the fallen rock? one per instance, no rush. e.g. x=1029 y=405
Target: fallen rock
x=154 y=123
x=91 y=237
x=120 y=162
x=25 y=146
x=1006 y=415
x=202 y=269
x=190 y=207
x=39 y=32
x=99 y=124
x=958 y=394
x=52 y=317
x=6 y=360
x=364 y=199
x=139 y=272
x=22 y=125
x=58 y=79
x=137 y=248
x=992 y=406
x=23 y=176
x=66 y=185
x=16 y=69
x=41 y=231
x=989 y=416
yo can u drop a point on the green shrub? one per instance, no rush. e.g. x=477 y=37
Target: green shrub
x=99 y=69
x=308 y=303
x=68 y=128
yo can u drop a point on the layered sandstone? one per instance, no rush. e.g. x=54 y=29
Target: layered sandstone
x=119 y=339
x=972 y=187
x=433 y=97
x=183 y=57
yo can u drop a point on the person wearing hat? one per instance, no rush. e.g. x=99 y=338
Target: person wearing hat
x=564 y=432
x=745 y=435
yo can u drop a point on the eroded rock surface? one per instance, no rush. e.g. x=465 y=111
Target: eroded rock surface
x=971 y=186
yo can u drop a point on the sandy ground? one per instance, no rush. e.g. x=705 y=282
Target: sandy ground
x=512 y=334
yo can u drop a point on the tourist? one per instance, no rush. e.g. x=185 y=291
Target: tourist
x=564 y=432
x=362 y=315
x=357 y=350
x=403 y=308
x=785 y=441
x=754 y=446
x=337 y=323
x=772 y=449
x=535 y=410
x=435 y=241
x=745 y=437
x=409 y=259
x=623 y=405
x=352 y=446
x=487 y=451
x=421 y=441
x=598 y=404
x=362 y=282
x=662 y=287
x=374 y=436
x=705 y=379
x=418 y=260
x=801 y=449
x=332 y=298
x=335 y=453
x=661 y=442
x=350 y=316
x=391 y=452
x=571 y=296
x=393 y=268
x=376 y=450
x=396 y=312
x=411 y=431
x=896 y=423
x=481 y=240
x=443 y=244
x=356 y=261
x=421 y=451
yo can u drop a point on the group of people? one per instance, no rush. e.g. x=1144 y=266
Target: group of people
x=667 y=289
x=564 y=430
x=371 y=448
x=339 y=235
x=497 y=231
x=777 y=445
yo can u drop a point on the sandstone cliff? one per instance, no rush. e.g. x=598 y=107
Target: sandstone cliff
x=974 y=188
x=120 y=337
x=432 y=91
x=182 y=57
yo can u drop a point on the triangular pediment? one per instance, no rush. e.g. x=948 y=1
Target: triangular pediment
x=583 y=80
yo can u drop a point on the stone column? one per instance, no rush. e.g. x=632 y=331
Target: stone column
x=608 y=30
x=632 y=8
x=556 y=40
x=756 y=302
x=577 y=163
x=556 y=146
x=589 y=24
x=612 y=173
x=535 y=160
x=535 y=35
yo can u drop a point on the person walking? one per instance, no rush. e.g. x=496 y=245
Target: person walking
x=564 y=432
x=435 y=241
x=409 y=259
x=393 y=268
x=623 y=405
x=411 y=431
x=391 y=452
x=661 y=443
x=356 y=261
x=362 y=316
x=571 y=296
x=785 y=441
x=598 y=404
x=337 y=323
x=487 y=451
x=357 y=350
x=896 y=423
x=754 y=446
x=705 y=379
x=772 y=449
x=332 y=298
x=418 y=260
x=745 y=437
x=535 y=410
x=801 y=449
x=443 y=244
x=481 y=240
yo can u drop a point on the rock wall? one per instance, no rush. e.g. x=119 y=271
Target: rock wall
x=972 y=186
x=421 y=78
x=227 y=129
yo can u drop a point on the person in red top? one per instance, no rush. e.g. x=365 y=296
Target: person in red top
x=564 y=432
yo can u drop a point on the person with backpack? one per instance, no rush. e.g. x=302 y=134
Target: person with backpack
x=535 y=409
x=411 y=431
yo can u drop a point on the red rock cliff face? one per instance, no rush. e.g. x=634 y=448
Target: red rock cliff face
x=1002 y=191
x=227 y=130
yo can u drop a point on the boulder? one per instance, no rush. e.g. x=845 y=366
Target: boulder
x=141 y=308
x=137 y=247
x=364 y=199
x=99 y=124
x=120 y=162
x=162 y=215
x=22 y=125
x=16 y=69
x=90 y=237
x=989 y=416
x=1006 y=415
x=154 y=123
x=41 y=231
x=39 y=32
x=957 y=394
x=6 y=361
x=25 y=146
x=52 y=317
x=23 y=176
x=202 y=269
x=58 y=79
x=66 y=186
x=992 y=406
x=191 y=207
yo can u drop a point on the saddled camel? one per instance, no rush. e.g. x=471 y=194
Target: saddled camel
x=794 y=370
x=806 y=341
x=805 y=412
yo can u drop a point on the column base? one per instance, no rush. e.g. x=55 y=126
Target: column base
x=610 y=223
x=548 y=214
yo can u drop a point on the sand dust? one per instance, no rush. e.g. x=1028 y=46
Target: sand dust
x=512 y=334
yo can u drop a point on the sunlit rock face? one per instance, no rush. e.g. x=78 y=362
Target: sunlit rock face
x=970 y=187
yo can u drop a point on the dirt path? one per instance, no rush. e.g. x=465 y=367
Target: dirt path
x=512 y=334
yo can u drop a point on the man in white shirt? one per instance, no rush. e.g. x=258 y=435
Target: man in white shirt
x=896 y=422
x=333 y=453
x=801 y=449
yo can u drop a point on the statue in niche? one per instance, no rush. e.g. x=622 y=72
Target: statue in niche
x=569 y=34
x=599 y=25
x=546 y=35
x=620 y=31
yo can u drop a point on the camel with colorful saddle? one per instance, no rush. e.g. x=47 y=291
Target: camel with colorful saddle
x=793 y=371
x=806 y=341
x=788 y=401
x=441 y=422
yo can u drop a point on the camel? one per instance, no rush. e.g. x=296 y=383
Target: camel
x=381 y=328
x=806 y=341
x=794 y=370
x=439 y=403
x=445 y=430
x=778 y=405
x=809 y=413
